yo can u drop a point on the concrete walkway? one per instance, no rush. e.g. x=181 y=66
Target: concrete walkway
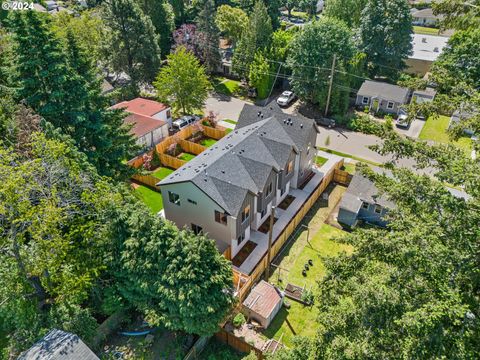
x=284 y=216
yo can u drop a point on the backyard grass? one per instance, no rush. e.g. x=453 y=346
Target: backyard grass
x=162 y=172
x=300 y=319
x=320 y=160
x=186 y=156
x=435 y=129
x=351 y=168
x=228 y=131
x=208 y=142
x=425 y=30
x=230 y=121
x=152 y=199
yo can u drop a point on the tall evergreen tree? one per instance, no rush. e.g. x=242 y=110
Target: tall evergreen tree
x=257 y=36
x=63 y=88
x=385 y=36
x=133 y=44
x=209 y=39
x=163 y=19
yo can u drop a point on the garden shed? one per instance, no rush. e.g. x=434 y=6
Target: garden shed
x=263 y=303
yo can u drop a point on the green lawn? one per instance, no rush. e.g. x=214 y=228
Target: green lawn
x=436 y=130
x=349 y=156
x=320 y=160
x=425 y=30
x=226 y=86
x=230 y=121
x=186 y=156
x=162 y=172
x=151 y=198
x=228 y=131
x=300 y=319
x=350 y=168
x=208 y=142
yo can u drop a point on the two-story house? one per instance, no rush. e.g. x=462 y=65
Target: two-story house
x=228 y=190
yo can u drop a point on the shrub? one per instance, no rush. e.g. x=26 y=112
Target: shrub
x=239 y=320
x=365 y=125
x=155 y=160
x=307 y=297
x=366 y=109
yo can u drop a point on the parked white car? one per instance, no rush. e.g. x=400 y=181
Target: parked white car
x=402 y=121
x=286 y=98
x=184 y=121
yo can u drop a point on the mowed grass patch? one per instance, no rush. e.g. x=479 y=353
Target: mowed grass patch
x=425 y=30
x=162 y=172
x=152 y=199
x=208 y=142
x=300 y=319
x=186 y=156
x=435 y=129
x=319 y=160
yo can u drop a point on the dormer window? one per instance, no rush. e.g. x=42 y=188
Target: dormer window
x=290 y=167
x=245 y=213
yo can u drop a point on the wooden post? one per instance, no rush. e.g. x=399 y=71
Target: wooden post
x=270 y=235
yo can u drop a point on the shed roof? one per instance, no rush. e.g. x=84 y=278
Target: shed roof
x=384 y=91
x=263 y=299
x=59 y=345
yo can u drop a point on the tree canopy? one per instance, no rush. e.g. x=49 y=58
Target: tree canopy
x=231 y=21
x=310 y=59
x=385 y=36
x=183 y=82
x=349 y=11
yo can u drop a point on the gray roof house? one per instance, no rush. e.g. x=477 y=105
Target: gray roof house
x=380 y=96
x=463 y=114
x=59 y=345
x=228 y=190
x=425 y=17
x=362 y=201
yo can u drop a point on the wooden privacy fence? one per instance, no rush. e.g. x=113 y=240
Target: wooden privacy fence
x=192 y=147
x=342 y=177
x=197 y=348
x=280 y=240
x=171 y=161
x=237 y=343
x=147 y=180
x=214 y=133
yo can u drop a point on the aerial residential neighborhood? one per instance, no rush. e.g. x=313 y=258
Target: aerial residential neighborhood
x=239 y=179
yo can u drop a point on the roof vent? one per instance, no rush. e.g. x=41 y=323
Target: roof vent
x=223 y=171
x=424 y=40
x=291 y=123
x=261 y=116
x=284 y=121
x=435 y=49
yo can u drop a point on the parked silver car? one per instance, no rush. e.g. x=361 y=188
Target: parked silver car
x=184 y=121
x=286 y=98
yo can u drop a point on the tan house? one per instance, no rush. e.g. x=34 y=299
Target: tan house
x=425 y=50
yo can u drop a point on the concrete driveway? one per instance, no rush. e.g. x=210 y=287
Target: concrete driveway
x=226 y=107
x=414 y=130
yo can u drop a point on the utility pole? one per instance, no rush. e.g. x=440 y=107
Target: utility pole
x=331 y=84
x=270 y=235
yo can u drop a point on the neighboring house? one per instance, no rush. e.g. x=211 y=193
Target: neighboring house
x=51 y=5
x=59 y=345
x=263 y=303
x=424 y=96
x=425 y=17
x=228 y=190
x=361 y=201
x=226 y=53
x=461 y=115
x=426 y=49
x=148 y=119
x=379 y=96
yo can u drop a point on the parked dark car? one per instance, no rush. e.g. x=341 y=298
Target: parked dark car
x=330 y=123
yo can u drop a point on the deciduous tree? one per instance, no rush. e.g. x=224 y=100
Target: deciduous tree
x=183 y=82
x=349 y=11
x=385 y=36
x=231 y=21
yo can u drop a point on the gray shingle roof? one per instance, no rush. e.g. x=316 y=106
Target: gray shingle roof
x=242 y=161
x=362 y=190
x=384 y=91
x=59 y=345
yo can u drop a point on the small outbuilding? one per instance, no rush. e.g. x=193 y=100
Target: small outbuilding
x=59 y=345
x=263 y=303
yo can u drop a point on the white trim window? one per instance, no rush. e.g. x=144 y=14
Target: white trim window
x=365 y=205
x=173 y=198
x=390 y=105
x=365 y=100
x=378 y=209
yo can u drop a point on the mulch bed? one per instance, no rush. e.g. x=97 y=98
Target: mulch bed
x=265 y=227
x=286 y=202
x=307 y=180
x=243 y=253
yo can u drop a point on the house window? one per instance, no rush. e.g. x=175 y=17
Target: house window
x=196 y=229
x=173 y=198
x=241 y=238
x=263 y=213
x=390 y=105
x=245 y=214
x=192 y=201
x=378 y=209
x=365 y=100
x=220 y=217
x=169 y=114
x=282 y=191
x=365 y=205
x=308 y=148
x=269 y=189
x=290 y=167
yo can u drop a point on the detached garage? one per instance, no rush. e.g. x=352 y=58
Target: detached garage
x=263 y=303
